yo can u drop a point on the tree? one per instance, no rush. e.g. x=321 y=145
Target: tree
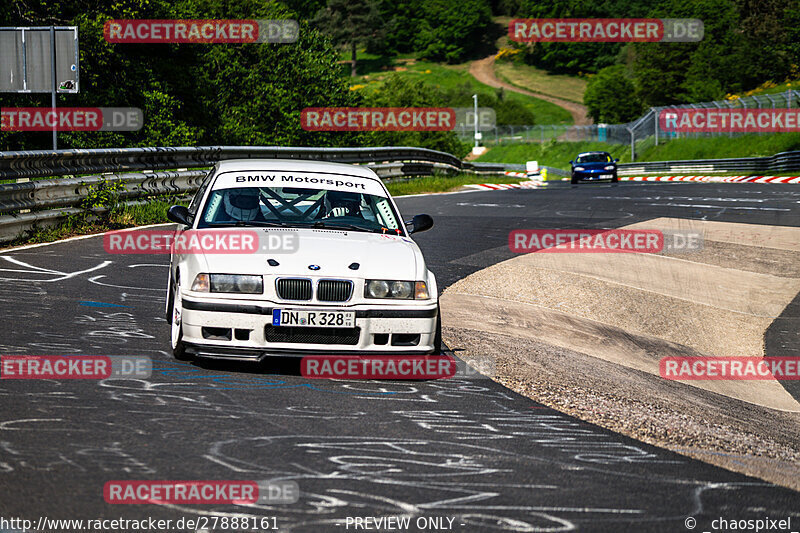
x=399 y=91
x=351 y=23
x=440 y=30
x=611 y=96
x=190 y=94
x=573 y=58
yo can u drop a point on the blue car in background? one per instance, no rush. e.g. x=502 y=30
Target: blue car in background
x=594 y=166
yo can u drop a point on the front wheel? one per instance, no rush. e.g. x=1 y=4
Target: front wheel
x=176 y=331
x=573 y=180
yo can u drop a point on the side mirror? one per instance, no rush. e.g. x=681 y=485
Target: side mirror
x=616 y=160
x=572 y=162
x=179 y=214
x=420 y=223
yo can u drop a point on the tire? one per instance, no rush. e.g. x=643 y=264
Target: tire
x=176 y=323
x=437 y=339
x=170 y=299
x=573 y=180
x=615 y=179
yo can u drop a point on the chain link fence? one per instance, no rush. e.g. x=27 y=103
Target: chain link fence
x=646 y=127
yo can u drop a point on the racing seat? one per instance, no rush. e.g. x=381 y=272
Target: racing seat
x=243 y=204
x=342 y=204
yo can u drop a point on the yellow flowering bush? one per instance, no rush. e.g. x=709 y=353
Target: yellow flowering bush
x=506 y=54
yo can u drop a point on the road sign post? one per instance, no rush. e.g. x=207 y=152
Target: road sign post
x=42 y=59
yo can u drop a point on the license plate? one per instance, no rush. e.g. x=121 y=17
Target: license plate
x=313 y=319
x=606 y=176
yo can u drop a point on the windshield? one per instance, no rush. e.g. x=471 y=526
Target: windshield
x=299 y=207
x=594 y=158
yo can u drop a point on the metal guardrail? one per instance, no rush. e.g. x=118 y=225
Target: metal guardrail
x=777 y=164
x=550 y=171
x=68 y=192
x=43 y=202
x=41 y=163
x=53 y=200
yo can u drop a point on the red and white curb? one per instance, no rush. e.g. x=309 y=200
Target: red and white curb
x=516 y=174
x=537 y=184
x=501 y=186
x=717 y=179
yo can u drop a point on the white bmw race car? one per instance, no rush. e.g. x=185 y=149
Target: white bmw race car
x=277 y=257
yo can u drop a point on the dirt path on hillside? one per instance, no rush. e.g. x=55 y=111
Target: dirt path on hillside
x=483 y=71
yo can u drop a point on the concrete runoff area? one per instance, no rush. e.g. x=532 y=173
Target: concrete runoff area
x=597 y=310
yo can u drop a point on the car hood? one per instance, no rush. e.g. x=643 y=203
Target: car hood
x=379 y=256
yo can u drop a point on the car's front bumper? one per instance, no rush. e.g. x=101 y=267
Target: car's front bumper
x=604 y=175
x=241 y=328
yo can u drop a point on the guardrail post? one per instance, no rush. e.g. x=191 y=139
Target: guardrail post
x=633 y=145
x=655 y=123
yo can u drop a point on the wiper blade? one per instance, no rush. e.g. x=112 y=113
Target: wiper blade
x=245 y=223
x=342 y=226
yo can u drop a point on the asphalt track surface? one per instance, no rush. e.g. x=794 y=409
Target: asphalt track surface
x=464 y=449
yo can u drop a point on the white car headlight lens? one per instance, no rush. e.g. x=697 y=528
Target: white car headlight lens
x=236 y=283
x=610 y=167
x=578 y=168
x=200 y=283
x=376 y=288
x=250 y=284
x=401 y=290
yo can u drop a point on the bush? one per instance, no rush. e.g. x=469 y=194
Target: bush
x=440 y=30
x=400 y=91
x=611 y=96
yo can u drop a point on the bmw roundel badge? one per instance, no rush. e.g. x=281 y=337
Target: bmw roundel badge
x=313 y=267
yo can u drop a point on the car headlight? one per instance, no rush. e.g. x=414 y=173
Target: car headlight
x=578 y=168
x=400 y=290
x=232 y=283
x=610 y=167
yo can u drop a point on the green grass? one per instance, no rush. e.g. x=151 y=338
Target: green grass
x=442 y=183
x=558 y=154
x=533 y=79
x=550 y=154
x=449 y=77
x=719 y=147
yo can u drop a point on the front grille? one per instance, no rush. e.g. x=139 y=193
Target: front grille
x=334 y=290
x=294 y=289
x=304 y=335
